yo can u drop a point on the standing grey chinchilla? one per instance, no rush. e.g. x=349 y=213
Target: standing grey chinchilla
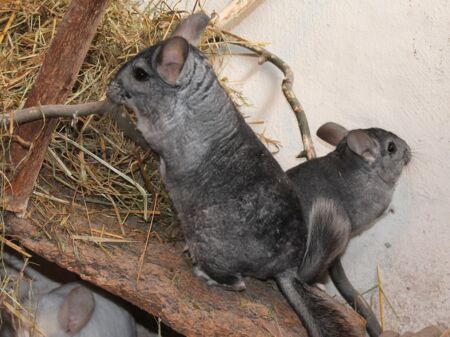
x=240 y=214
x=360 y=177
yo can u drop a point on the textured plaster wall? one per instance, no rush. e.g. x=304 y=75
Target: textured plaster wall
x=362 y=64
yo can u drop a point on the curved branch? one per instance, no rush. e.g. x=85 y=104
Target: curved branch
x=61 y=110
x=286 y=86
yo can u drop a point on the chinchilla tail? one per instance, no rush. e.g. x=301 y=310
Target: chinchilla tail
x=353 y=298
x=319 y=317
x=328 y=234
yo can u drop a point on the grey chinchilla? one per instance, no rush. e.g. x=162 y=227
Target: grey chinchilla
x=359 y=176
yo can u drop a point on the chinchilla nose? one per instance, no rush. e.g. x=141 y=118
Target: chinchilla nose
x=116 y=93
x=407 y=155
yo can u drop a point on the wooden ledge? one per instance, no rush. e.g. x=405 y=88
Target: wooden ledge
x=167 y=287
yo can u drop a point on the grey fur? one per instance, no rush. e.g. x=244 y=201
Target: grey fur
x=329 y=230
x=240 y=214
x=359 y=177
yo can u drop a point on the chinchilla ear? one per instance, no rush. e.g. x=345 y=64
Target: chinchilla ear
x=191 y=28
x=174 y=51
x=171 y=58
x=360 y=143
x=76 y=310
x=332 y=133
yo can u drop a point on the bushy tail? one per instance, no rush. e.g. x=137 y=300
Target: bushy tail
x=319 y=316
x=328 y=234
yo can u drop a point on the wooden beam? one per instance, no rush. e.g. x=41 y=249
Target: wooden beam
x=167 y=287
x=53 y=84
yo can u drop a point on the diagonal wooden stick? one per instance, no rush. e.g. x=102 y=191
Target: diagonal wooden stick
x=52 y=85
x=234 y=13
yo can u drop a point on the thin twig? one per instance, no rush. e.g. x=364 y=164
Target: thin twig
x=120 y=115
x=57 y=110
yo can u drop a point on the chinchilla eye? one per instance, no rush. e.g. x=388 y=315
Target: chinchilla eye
x=391 y=147
x=140 y=74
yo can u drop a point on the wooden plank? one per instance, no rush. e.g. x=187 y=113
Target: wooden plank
x=167 y=287
x=53 y=84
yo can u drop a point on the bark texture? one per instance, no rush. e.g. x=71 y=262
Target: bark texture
x=166 y=286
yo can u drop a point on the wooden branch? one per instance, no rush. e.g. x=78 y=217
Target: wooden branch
x=286 y=86
x=32 y=114
x=53 y=83
x=234 y=13
x=118 y=113
x=166 y=286
x=128 y=126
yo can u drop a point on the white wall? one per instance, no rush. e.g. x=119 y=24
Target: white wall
x=362 y=64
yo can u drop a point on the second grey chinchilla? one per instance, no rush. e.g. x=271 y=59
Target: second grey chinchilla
x=240 y=213
x=359 y=176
